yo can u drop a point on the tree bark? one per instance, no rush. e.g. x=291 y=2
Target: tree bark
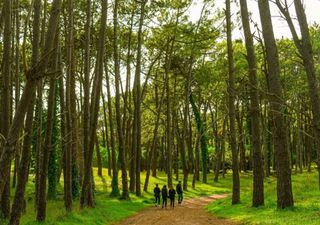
x=87 y=192
x=231 y=107
x=137 y=108
x=5 y=117
x=125 y=192
x=284 y=186
x=114 y=183
x=36 y=73
x=258 y=188
x=23 y=170
x=106 y=136
x=41 y=206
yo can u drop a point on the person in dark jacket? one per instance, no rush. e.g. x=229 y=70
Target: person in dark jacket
x=157 y=192
x=172 y=195
x=179 y=192
x=164 y=193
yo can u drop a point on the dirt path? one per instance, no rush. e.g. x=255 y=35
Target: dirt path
x=192 y=212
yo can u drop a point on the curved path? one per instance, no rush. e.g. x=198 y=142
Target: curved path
x=192 y=212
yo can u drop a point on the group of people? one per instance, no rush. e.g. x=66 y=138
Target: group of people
x=165 y=194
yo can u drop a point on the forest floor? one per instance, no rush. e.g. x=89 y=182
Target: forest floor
x=191 y=212
x=111 y=210
x=306 y=210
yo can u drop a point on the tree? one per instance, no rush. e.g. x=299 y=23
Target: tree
x=277 y=107
x=87 y=192
x=304 y=47
x=33 y=76
x=5 y=117
x=258 y=189
x=122 y=159
x=231 y=107
x=137 y=100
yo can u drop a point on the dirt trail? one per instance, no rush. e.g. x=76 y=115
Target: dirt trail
x=192 y=212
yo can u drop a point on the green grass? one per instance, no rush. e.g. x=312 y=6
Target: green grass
x=305 y=212
x=107 y=209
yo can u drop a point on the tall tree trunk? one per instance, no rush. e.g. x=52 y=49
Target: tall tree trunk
x=5 y=117
x=41 y=206
x=87 y=192
x=168 y=118
x=69 y=122
x=34 y=60
x=36 y=73
x=86 y=83
x=284 y=187
x=137 y=108
x=17 y=84
x=23 y=171
x=258 y=189
x=114 y=182
x=125 y=192
x=39 y=107
x=128 y=98
x=73 y=109
x=231 y=107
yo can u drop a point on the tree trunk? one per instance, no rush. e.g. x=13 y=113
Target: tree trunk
x=23 y=170
x=106 y=136
x=41 y=206
x=231 y=107
x=114 y=183
x=137 y=98
x=36 y=73
x=284 y=187
x=87 y=192
x=168 y=118
x=258 y=188
x=125 y=191
x=86 y=82
x=5 y=117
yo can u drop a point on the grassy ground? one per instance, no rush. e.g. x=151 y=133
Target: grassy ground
x=305 y=212
x=107 y=209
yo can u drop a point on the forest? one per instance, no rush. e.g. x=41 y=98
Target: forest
x=100 y=100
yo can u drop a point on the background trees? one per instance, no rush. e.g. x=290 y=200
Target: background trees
x=150 y=89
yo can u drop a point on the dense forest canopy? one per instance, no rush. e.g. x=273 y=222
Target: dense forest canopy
x=147 y=86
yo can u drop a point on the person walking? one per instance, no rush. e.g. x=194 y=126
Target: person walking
x=179 y=192
x=172 y=195
x=157 y=192
x=164 y=193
